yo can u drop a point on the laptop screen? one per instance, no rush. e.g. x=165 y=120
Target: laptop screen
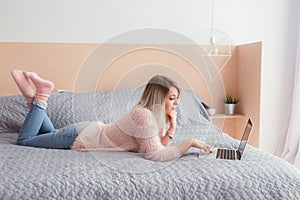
x=245 y=136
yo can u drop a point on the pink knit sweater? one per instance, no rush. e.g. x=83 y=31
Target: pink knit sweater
x=137 y=132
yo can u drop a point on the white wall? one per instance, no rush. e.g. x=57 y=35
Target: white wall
x=270 y=21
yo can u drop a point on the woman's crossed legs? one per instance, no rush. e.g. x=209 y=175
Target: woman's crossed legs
x=37 y=129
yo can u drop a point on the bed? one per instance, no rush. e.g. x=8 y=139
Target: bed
x=37 y=173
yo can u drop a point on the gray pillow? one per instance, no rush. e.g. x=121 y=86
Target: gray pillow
x=13 y=111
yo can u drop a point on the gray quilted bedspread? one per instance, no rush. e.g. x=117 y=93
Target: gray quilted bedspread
x=37 y=173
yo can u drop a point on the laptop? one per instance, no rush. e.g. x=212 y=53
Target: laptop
x=230 y=154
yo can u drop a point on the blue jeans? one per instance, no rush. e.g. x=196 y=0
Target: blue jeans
x=38 y=131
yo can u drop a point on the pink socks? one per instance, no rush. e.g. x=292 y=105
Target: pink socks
x=23 y=85
x=43 y=87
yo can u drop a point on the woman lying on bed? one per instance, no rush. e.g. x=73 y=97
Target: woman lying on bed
x=141 y=130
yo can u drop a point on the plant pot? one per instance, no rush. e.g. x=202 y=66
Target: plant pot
x=229 y=109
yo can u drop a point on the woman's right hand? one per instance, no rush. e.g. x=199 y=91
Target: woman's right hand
x=184 y=146
x=201 y=145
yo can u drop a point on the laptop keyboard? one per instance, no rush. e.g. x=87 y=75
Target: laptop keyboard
x=226 y=154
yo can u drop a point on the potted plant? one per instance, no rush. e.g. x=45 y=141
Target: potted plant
x=230 y=104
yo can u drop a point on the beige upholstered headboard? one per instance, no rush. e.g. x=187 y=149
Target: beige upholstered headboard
x=96 y=67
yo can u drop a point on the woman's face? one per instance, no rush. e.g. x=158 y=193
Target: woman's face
x=171 y=100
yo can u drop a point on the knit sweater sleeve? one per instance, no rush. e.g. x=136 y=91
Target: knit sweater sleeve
x=148 y=137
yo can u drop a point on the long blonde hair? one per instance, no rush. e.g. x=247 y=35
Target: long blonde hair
x=154 y=94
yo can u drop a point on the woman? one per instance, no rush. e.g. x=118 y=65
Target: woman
x=141 y=130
